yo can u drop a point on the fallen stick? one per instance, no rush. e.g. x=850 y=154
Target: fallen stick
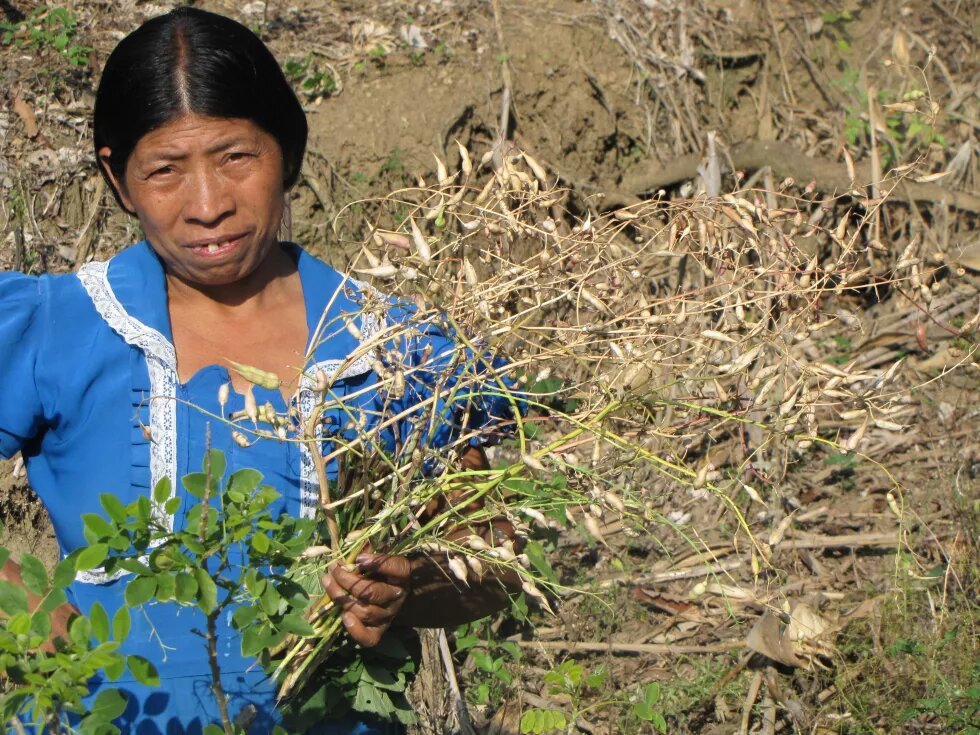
x=786 y=161
x=656 y=648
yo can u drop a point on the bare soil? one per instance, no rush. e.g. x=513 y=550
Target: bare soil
x=607 y=95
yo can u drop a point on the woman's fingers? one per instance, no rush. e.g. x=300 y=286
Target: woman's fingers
x=369 y=594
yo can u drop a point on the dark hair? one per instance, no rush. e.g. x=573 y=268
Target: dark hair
x=192 y=61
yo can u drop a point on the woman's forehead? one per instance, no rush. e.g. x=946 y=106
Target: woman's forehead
x=196 y=132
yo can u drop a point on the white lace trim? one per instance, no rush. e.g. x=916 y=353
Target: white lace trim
x=161 y=361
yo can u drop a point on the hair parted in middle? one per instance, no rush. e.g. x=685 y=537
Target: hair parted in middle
x=193 y=61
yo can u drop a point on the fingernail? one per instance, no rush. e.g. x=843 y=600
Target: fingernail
x=363 y=559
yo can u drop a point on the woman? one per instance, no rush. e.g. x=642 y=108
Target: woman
x=117 y=368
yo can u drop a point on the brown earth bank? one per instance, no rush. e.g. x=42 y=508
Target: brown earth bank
x=830 y=104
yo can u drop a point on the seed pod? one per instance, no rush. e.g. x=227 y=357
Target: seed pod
x=702 y=477
x=458 y=567
x=592 y=526
x=464 y=158
x=371 y=258
x=442 y=175
x=535 y=515
x=537 y=169
x=504 y=553
x=240 y=439
x=386 y=270
x=251 y=409
x=355 y=332
x=614 y=501
x=475 y=565
x=314 y=552
x=533 y=462
x=719 y=336
x=397 y=389
x=534 y=593
x=408 y=273
x=548 y=225
x=223 y=393
x=263 y=378
x=477 y=543
x=421 y=244
x=321 y=381
x=470 y=273
x=524 y=560
x=394 y=238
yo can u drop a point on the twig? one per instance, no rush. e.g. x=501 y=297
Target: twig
x=654 y=648
x=83 y=244
x=786 y=161
x=505 y=101
x=459 y=704
x=750 y=698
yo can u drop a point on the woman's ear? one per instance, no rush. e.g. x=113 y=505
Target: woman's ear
x=105 y=158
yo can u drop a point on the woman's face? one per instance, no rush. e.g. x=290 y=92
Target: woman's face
x=208 y=193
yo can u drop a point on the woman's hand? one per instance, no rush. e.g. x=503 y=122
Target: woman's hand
x=370 y=594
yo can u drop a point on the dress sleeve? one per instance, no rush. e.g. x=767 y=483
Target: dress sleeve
x=21 y=413
x=452 y=389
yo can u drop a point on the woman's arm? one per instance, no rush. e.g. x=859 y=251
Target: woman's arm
x=60 y=618
x=420 y=592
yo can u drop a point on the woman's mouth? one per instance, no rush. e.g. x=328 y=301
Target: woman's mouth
x=218 y=247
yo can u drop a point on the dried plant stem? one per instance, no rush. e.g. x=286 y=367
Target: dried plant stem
x=216 y=687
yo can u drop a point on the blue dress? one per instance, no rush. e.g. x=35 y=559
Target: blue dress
x=81 y=354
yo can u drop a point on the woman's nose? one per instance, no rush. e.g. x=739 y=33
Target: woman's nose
x=208 y=198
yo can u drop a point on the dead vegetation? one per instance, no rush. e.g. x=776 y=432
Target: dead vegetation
x=737 y=244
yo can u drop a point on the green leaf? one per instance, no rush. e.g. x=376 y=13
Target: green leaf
x=207 y=591
x=108 y=705
x=98 y=526
x=91 y=557
x=171 y=506
x=213 y=730
x=19 y=624
x=143 y=671
x=260 y=542
x=539 y=560
x=162 y=491
x=80 y=631
x=116 y=669
x=194 y=483
x=13 y=598
x=100 y=622
x=140 y=591
x=185 y=587
x=121 y=623
x=41 y=624
x=4 y=555
x=245 y=481
x=643 y=710
x=214 y=462
x=113 y=507
x=244 y=615
x=270 y=600
x=165 y=587
x=64 y=573
x=651 y=693
x=659 y=722
x=296 y=624
x=54 y=599
x=33 y=574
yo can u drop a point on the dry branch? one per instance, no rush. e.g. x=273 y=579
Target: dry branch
x=786 y=162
